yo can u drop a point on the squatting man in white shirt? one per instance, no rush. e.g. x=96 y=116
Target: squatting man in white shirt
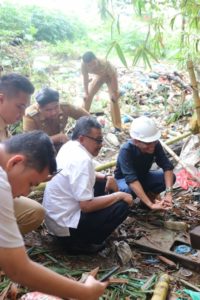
x=25 y=161
x=80 y=211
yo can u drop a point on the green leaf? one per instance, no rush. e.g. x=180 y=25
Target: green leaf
x=111 y=47
x=118 y=25
x=121 y=54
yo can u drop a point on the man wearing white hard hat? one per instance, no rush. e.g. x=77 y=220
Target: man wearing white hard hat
x=136 y=157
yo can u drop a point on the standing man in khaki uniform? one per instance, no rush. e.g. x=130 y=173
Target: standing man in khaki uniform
x=15 y=92
x=104 y=73
x=51 y=116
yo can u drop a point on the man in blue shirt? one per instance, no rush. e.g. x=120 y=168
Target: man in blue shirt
x=136 y=157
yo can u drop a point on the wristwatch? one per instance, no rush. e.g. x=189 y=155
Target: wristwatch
x=106 y=176
x=169 y=189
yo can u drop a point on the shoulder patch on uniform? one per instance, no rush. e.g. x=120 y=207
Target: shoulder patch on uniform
x=32 y=113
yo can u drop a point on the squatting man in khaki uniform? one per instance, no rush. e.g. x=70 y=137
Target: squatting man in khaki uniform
x=15 y=92
x=25 y=161
x=103 y=72
x=51 y=116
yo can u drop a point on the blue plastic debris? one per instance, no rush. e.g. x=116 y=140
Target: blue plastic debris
x=183 y=249
x=151 y=260
x=127 y=119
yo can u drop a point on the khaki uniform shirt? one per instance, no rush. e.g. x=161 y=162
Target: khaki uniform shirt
x=33 y=119
x=4 y=132
x=103 y=69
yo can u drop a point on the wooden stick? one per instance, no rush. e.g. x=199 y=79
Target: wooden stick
x=117 y=280
x=177 y=158
x=186 y=283
x=167 y=261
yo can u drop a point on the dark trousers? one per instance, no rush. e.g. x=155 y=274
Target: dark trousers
x=154 y=182
x=95 y=227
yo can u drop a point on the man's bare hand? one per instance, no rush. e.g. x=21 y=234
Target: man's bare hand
x=95 y=287
x=159 y=205
x=125 y=197
x=111 y=184
x=168 y=199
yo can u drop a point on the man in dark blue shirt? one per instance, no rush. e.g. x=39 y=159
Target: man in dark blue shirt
x=133 y=171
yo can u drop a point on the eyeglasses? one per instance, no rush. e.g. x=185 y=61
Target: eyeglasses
x=97 y=140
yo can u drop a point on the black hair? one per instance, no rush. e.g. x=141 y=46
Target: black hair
x=88 y=57
x=46 y=95
x=36 y=146
x=84 y=125
x=13 y=83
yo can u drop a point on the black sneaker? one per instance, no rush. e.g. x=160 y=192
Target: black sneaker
x=82 y=248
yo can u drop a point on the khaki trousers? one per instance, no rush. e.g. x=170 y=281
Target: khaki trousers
x=112 y=84
x=29 y=214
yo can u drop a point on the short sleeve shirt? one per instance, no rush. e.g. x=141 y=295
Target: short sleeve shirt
x=10 y=236
x=33 y=119
x=73 y=184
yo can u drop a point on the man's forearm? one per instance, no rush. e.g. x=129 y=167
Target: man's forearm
x=137 y=188
x=59 y=138
x=169 y=178
x=100 y=202
x=85 y=84
x=39 y=278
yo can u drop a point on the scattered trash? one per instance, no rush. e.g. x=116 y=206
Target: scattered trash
x=185 y=179
x=185 y=272
x=123 y=251
x=175 y=225
x=112 y=139
x=192 y=294
x=151 y=260
x=183 y=249
x=127 y=119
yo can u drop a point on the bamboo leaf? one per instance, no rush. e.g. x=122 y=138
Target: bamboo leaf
x=111 y=47
x=121 y=54
x=197 y=45
x=151 y=54
x=172 y=21
x=118 y=25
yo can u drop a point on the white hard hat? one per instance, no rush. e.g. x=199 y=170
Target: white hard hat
x=144 y=129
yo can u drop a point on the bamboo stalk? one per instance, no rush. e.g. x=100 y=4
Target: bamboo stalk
x=178 y=138
x=195 y=89
x=161 y=289
x=106 y=166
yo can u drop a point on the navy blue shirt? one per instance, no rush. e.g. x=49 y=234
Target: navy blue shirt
x=133 y=165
